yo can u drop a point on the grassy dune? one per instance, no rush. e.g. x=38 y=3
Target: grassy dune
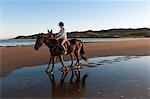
x=111 y=33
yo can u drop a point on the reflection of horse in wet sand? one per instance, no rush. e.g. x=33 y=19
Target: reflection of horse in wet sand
x=75 y=48
x=75 y=87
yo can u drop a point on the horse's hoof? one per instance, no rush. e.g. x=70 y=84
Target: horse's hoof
x=51 y=73
x=68 y=69
x=78 y=67
x=75 y=67
x=63 y=68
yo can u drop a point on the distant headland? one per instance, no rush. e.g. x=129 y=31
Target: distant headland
x=111 y=33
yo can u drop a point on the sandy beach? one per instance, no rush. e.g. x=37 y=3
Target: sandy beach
x=115 y=70
x=21 y=56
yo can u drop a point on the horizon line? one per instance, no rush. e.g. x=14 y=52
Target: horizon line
x=78 y=31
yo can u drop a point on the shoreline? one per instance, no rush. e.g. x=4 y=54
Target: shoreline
x=24 y=56
x=84 y=40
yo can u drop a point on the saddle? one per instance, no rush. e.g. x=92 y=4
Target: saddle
x=58 y=48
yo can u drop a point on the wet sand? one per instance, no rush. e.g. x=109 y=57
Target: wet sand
x=22 y=56
x=113 y=77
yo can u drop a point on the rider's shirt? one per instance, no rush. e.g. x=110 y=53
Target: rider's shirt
x=62 y=34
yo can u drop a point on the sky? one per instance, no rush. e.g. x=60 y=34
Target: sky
x=27 y=17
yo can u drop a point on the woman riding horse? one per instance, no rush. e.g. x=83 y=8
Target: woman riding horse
x=75 y=48
x=62 y=35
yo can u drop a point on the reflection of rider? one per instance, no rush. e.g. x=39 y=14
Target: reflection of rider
x=62 y=35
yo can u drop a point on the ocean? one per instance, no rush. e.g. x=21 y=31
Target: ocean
x=20 y=42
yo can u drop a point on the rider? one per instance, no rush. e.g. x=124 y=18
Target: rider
x=62 y=35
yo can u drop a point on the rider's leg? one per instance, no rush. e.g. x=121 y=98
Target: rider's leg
x=63 y=42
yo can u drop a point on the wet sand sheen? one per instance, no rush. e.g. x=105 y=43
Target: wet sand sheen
x=112 y=77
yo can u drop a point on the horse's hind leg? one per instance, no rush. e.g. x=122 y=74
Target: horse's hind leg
x=72 y=58
x=78 y=57
x=53 y=62
x=62 y=61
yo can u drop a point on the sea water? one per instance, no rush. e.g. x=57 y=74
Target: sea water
x=112 y=77
x=18 y=42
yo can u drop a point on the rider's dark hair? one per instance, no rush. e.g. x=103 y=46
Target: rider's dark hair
x=61 y=23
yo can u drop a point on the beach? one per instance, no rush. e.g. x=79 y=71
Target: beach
x=115 y=38
x=115 y=70
x=12 y=58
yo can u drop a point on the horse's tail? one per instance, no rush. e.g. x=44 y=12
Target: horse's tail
x=82 y=53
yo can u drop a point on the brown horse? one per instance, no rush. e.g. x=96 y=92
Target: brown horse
x=75 y=48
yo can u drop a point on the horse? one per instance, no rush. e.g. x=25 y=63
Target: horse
x=75 y=48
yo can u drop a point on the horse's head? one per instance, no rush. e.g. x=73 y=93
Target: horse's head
x=46 y=39
x=39 y=41
x=50 y=34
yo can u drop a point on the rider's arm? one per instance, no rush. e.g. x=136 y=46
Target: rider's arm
x=61 y=34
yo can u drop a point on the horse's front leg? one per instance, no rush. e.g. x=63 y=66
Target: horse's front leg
x=53 y=62
x=62 y=61
x=49 y=64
